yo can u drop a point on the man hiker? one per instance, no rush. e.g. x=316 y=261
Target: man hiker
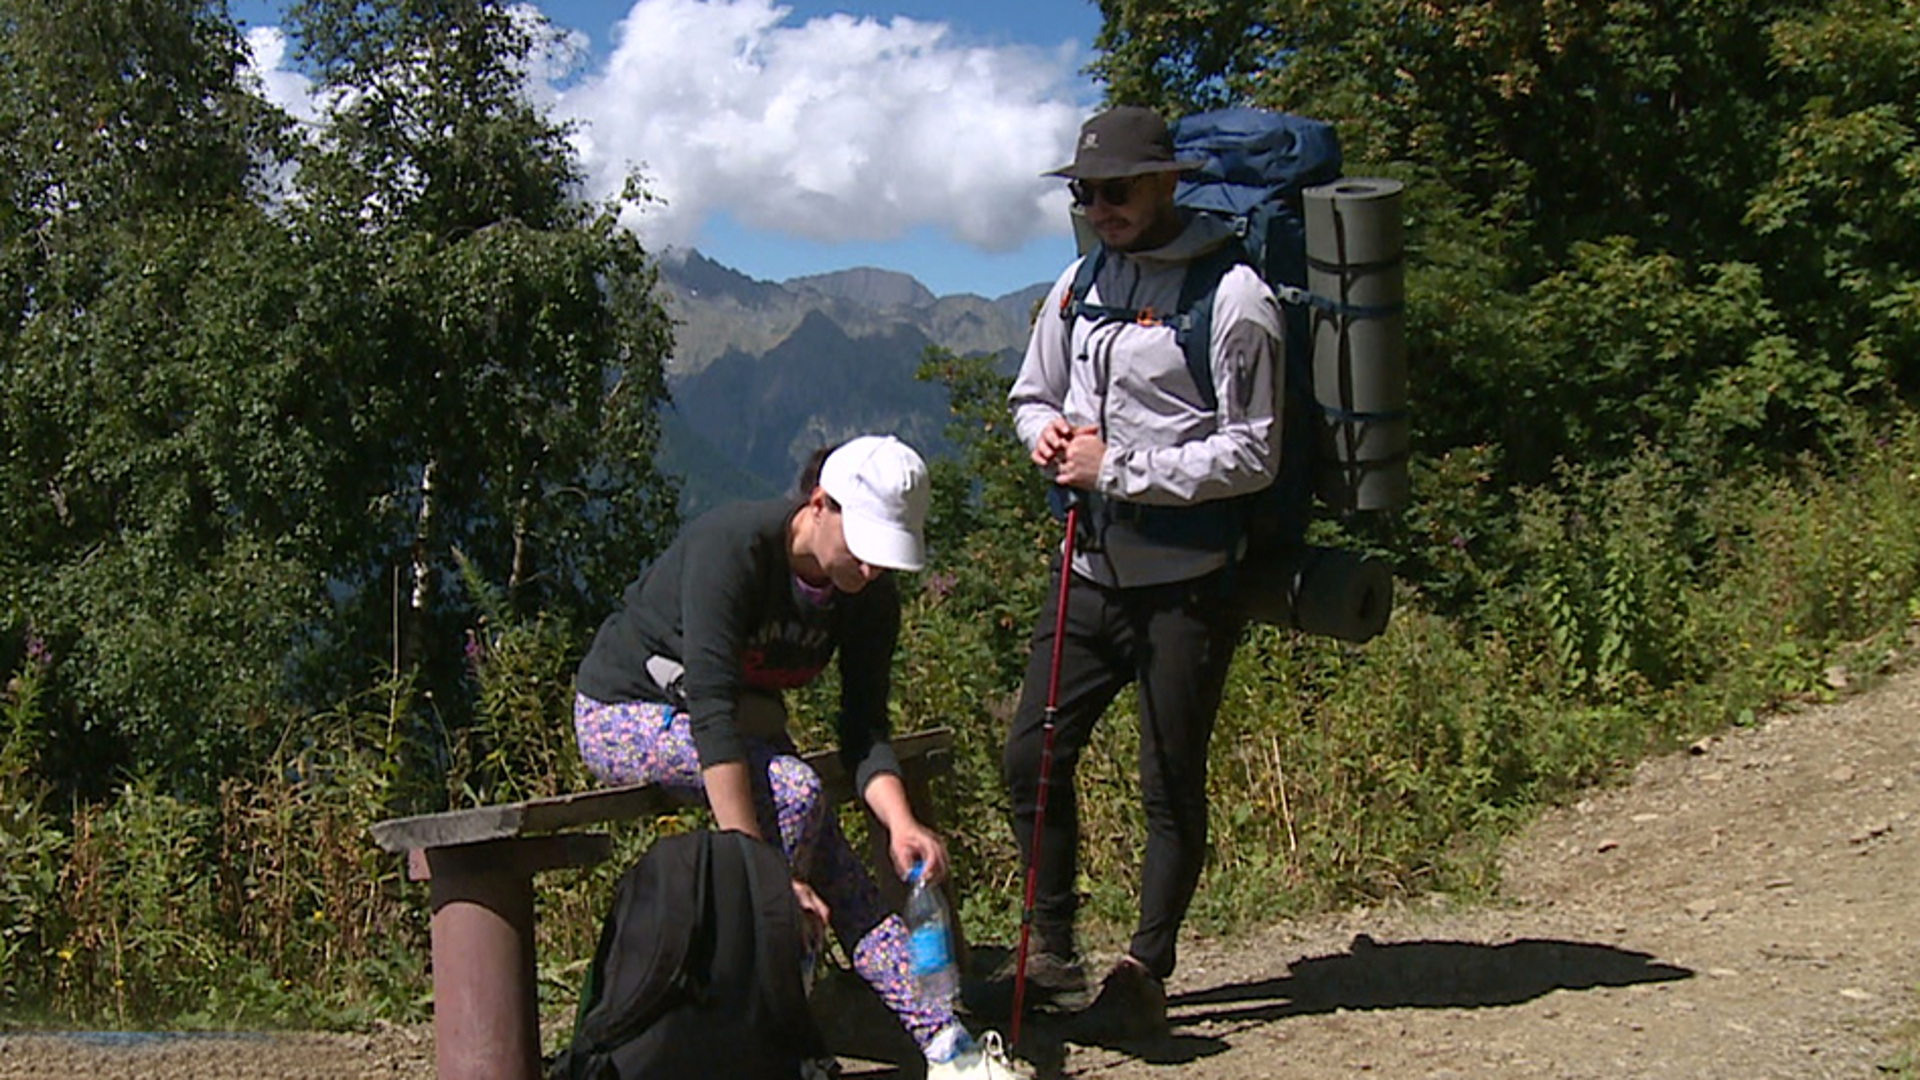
x=1108 y=408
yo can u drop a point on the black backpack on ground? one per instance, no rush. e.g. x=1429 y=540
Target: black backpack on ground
x=698 y=970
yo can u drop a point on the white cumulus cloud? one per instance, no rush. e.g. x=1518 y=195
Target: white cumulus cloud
x=292 y=91
x=840 y=128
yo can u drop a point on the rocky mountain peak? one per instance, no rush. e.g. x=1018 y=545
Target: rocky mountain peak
x=763 y=372
x=868 y=286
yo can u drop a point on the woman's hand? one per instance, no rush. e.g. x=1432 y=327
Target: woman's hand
x=908 y=841
x=918 y=845
x=814 y=914
x=730 y=795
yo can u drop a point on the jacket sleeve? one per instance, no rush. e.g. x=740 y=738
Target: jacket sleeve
x=1039 y=393
x=869 y=632
x=1241 y=453
x=717 y=596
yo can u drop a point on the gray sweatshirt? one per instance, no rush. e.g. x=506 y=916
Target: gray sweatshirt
x=721 y=601
x=1164 y=446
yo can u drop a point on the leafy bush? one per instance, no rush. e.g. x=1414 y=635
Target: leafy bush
x=34 y=849
x=139 y=888
x=520 y=745
x=1602 y=565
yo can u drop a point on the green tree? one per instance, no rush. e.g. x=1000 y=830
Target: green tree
x=1837 y=216
x=988 y=527
x=1579 y=120
x=140 y=544
x=235 y=428
x=504 y=335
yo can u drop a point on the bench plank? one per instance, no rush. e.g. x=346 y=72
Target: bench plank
x=923 y=753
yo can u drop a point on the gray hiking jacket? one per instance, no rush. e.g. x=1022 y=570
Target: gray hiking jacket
x=1164 y=446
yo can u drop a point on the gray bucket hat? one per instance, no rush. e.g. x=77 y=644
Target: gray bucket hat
x=1126 y=140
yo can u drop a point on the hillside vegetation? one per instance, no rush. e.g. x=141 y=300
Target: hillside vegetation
x=298 y=493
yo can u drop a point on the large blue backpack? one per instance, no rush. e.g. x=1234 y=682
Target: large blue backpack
x=1255 y=165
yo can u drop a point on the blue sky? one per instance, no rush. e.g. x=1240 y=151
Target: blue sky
x=799 y=138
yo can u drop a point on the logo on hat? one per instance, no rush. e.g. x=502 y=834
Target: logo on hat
x=1124 y=141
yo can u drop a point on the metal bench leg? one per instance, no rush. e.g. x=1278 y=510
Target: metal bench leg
x=486 y=1008
x=486 y=1018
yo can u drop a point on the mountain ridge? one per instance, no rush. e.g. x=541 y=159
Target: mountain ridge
x=763 y=372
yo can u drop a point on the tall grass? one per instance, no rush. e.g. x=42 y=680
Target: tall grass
x=1616 y=615
x=267 y=906
x=1630 y=612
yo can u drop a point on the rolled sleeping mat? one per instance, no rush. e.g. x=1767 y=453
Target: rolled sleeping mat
x=1331 y=592
x=1356 y=274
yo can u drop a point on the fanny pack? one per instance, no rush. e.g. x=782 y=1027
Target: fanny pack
x=759 y=714
x=1215 y=525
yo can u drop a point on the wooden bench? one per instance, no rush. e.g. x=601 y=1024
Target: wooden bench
x=479 y=864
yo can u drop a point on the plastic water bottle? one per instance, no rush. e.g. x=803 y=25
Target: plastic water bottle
x=930 y=940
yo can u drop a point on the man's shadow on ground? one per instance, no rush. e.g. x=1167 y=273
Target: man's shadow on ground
x=1424 y=975
x=1369 y=975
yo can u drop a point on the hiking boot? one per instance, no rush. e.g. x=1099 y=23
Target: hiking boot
x=1053 y=982
x=985 y=1060
x=1130 y=1011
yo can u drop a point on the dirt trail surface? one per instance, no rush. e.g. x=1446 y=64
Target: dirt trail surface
x=1748 y=909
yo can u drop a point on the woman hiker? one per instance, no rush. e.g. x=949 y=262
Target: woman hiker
x=682 y=687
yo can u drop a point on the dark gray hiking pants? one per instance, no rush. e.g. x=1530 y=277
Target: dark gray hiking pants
x=1174 y=642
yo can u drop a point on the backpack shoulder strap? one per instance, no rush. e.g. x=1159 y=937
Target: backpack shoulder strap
x=1193 y=321
x=1074 y=304
x=645 y=945
x=778 y=940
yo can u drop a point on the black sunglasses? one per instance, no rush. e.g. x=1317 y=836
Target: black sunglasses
x=1113 y=192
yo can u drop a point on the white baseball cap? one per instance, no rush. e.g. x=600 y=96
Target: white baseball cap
x=881 y=486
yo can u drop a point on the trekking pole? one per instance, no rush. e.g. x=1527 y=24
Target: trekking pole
x=1046 y=766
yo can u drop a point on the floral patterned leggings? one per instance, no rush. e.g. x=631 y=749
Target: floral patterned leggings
x=645 y=742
